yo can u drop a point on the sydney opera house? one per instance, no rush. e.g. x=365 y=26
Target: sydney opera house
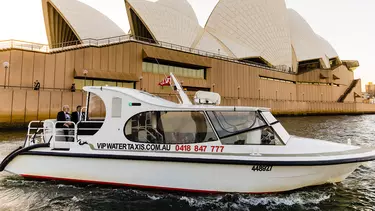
x=254 y=52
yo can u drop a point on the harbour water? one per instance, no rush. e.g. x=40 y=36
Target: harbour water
x=355 y=193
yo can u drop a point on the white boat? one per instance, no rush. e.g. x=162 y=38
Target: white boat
x=148 y=142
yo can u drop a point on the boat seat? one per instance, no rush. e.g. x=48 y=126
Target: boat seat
x=88 y=128
x=253 y=137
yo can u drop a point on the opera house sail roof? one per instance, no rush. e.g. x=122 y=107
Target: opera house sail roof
x=307 y=44
x=72 y=20
x=253 y=29
x=264 y=32
x=172 y=21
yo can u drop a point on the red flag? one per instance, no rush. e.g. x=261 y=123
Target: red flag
x=166 y=81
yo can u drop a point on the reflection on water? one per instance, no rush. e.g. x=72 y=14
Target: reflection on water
x=355 y=193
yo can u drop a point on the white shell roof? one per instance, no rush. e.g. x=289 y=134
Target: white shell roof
x=172 y=21
x=328 y=49
x=253 y=28
x=208 y=42
x=307 y=44
x=86 y=21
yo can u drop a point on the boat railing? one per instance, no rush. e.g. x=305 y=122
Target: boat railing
x=63 y=133
x=35 y=133
x=50 y=131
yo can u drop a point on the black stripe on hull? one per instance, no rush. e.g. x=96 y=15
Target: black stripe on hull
x=203 y=160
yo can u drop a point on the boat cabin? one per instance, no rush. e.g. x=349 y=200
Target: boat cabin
x=121 y=115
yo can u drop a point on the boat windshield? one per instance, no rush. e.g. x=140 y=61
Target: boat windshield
x=243 y=128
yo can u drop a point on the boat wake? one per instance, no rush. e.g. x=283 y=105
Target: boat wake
x=19 y=194
x=303 y=200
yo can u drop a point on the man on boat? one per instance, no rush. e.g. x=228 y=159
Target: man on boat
x=77 y=115
x=64 y=116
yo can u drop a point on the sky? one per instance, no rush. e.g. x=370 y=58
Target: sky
x=347 y=24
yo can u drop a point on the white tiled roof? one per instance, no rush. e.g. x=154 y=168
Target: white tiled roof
x=172 y=21
x=208 y=42
x=253 y=28
x=86 y=21
x=307 y=44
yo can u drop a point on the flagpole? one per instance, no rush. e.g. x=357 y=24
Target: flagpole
x=170 y=84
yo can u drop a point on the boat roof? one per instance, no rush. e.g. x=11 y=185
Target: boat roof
x=148 y=98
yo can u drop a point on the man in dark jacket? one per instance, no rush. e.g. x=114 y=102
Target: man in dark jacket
x=77 y=115
x=64 y=116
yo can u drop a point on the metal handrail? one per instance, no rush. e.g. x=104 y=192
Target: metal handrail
x=40 y=89
x=65 y=129
x=91 y=42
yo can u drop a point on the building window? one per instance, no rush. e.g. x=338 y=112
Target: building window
x=177 y=71
x=80 y=83
x=164 y=127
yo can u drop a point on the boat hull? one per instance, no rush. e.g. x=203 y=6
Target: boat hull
x=179 y=176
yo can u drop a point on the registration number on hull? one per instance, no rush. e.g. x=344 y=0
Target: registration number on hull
x=262 y=168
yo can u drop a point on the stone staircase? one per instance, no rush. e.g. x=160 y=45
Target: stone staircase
x=348 y=90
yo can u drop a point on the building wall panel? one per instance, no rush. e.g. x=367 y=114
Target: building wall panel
x=104 y=58
x=15 y=68
x=44 y=105
x=112 y=58
x=32 y=99
x=60 y=71
x=308 y=92
x=56 y=103
x=27 y=69
x=67 y=99
x=6 y=96
x=79 y=59
x=39 y=66
x=119 y=57
x=4 y=57
x=19 y=105
x=96 y=59
x=126 y=58
x=79 y=98
x=132 y=58
x=139 y=60
x=88 y=58
x=346 y=76
x=69 y=69
x=49 y=76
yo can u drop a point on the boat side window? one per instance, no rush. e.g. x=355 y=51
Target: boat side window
x=116 y=107
x=96 y=108
x=243 y=128
x=169 y=127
